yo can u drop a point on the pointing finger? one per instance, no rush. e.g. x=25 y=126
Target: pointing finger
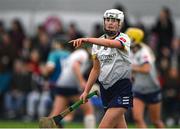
x=71 y=41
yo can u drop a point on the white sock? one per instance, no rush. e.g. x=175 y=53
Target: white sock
x=90 y=121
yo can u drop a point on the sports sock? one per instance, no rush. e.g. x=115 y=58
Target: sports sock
x=90 y=121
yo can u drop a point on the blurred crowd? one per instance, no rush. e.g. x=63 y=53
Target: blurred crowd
x=22 y=57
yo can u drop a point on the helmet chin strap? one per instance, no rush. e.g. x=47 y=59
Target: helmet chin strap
x=110 y=33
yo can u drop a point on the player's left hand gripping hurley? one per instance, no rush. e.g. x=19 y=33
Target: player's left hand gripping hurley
x=55 y=122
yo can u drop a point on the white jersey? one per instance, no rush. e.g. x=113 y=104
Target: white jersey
x=145 y=83
x=68 y=77
x=115 y=63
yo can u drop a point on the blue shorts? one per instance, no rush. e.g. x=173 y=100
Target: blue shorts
x=149 y=98
x=64 y=91
x=119 y=95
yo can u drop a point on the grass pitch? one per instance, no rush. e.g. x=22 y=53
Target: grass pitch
x=21 y=124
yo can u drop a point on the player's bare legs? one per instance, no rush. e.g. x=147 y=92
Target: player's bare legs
x=69 y=117
x=87 y=108
x=59 y=105
x=122 y=123
x=138 y=113
x=114 y=118
x=155 y=115
x=89 y=118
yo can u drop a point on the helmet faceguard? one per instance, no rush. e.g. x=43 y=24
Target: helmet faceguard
x=113 y=14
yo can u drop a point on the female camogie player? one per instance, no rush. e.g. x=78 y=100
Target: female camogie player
x=146 y=87
x=69 y=85
x=112 y=67
x=66 y=75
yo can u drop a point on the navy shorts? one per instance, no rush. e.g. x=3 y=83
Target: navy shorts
x=149 y=98
x=119 y=95
x=64 y=91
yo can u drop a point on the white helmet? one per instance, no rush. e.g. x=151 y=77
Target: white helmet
x=114 y=13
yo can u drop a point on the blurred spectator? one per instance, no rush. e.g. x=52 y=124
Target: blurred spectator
x=175 y=54
x=2 y=30
x=40 y=30
x=53 y=26
x=20 y=86
x=39 y=94
x=33 y=65
x=97 y=30
x=38 y=103
x=5 y=62
x=17 y=33
x=169 y=69
x=43 y=46
x=1 y=27
x=126 y=23
x=163 y=29
x=73 y=32
x=152 y=39
x=171 y=90
x=163 y=62
x=5 y=81
x=8 y=53
x=26 y=49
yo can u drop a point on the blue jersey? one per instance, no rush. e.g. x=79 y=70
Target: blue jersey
x=55 y=59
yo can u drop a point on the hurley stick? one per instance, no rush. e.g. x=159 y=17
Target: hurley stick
x=55 y=122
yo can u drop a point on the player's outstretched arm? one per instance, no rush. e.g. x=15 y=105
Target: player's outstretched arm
x=98 y=41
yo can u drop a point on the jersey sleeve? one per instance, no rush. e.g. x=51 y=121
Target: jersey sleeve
x=145 y=57
x=80 y=56
x=124 y=40
x=51 y=61
x=94 y=51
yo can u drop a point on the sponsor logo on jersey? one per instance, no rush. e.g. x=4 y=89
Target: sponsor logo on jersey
x=122 y=39
x=107 y=58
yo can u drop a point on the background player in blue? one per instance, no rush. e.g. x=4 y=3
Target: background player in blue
x=146 y=87
x=68 y=81
x=53 y=67
x=70 y=85
x=112 y=67
x=56 y=57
